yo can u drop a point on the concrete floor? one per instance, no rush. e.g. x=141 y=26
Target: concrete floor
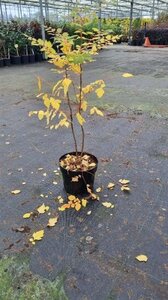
x=133 y=144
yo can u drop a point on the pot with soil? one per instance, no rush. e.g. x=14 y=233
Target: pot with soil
x=78 y=172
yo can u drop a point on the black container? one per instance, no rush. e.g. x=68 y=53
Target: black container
x=39 y=57
x=31 y=58
x=1 y=62
x=86 y=177
x=15 y=60
x=7 y=62
x=25 y=59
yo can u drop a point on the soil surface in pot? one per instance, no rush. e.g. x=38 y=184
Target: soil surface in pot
x=73 y=162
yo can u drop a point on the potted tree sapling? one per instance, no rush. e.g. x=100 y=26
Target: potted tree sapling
x=67 y=106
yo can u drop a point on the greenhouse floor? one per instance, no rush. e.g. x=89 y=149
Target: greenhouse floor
x=90 y=254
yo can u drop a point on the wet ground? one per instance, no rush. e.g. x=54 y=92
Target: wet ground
x=93 y=253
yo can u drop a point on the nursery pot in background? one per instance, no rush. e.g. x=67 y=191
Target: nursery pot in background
x=15 y=60
x=1 y=62
x=7 y=62
x=84 y=177
x=25 y=59
x=31 y=58
x=39 y=57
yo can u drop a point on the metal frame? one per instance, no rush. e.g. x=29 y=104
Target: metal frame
x=44 y=9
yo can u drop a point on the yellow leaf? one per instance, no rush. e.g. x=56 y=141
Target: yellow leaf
x=84 y=202
x=92 y=165
x=41 y=115
x=99 y=92
x=75 y=68
x=56 y=85
x=142 y=258
x=94 y=110
x=63 y=207
x=46 y=100
x=84 y=105
x=127 y=75
x=124 y=181
x=71 y=197
x=108 y=204
x=15 y=192
x=125 y=188
x=27 y=215
x=111 y=185
x=39 y=83
x=52 y=222
x=80 y=119
x=42 y=209
x=38 y=235
x=99 y=189
x=31 y=113
x=66 y=83
x=55 y=103
x=78 y=206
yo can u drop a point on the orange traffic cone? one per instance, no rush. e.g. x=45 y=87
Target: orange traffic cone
x=147 y=42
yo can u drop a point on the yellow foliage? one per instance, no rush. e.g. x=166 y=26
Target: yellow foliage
x=38 y=235
x=94 y=110
x=99 y=92
x=84 y=105
x=66 y=83
x=80 y=119
x=41 y=114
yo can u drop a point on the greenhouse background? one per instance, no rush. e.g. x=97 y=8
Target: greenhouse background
x=53 y=10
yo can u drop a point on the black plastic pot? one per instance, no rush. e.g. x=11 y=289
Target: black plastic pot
x=7 y=62
x=31 y=58
x=1 y=62
x=86 y=177
x=15 y=60
x=39 y=57
x=25 y=59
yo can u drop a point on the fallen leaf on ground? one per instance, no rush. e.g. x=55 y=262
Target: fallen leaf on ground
x=27 y=215
x=111 y=186
x=108 y=204
x=127 y=75
x=42 y=209
x=78 y=206
x=54 y=182
x=84 y=202
x=99 y=189
x=124 y=181
x=40 y=169
x=71 y=197
x=15 y=192
x=44 y=174
x=89 y=212
x=142 y=258
x=38 y=235
x=52 y=222
x=125 y=188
